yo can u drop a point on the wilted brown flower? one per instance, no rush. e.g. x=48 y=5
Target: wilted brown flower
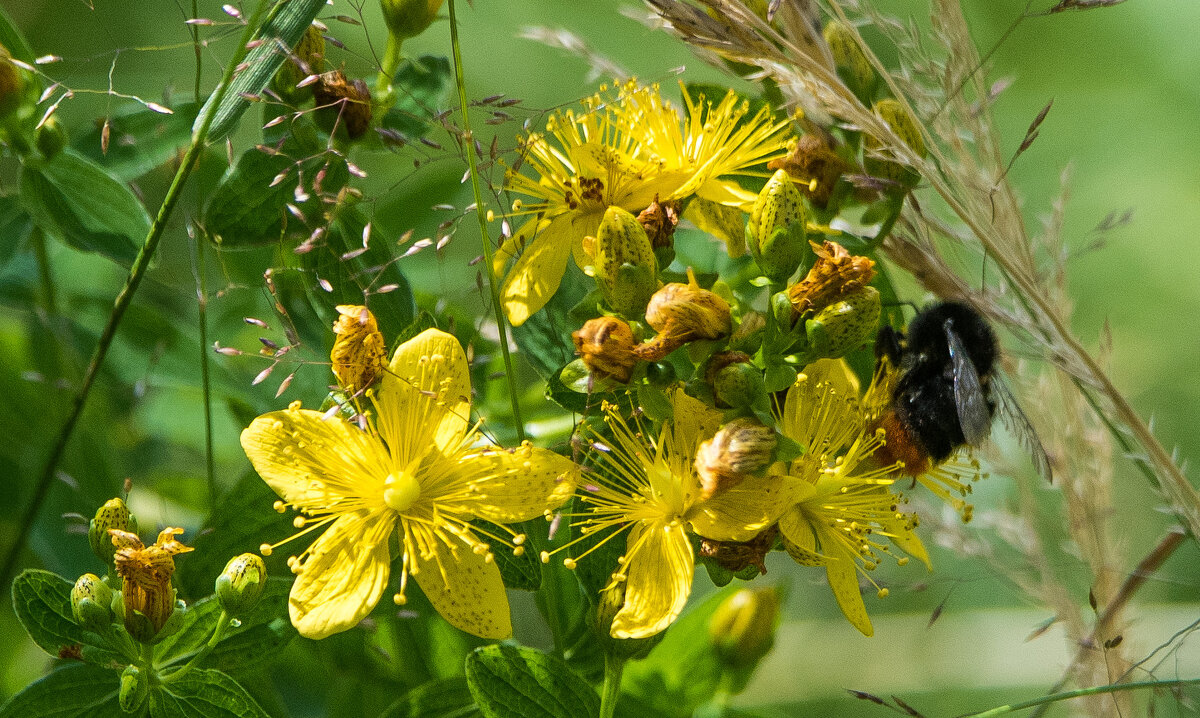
x=836 y=273
x=359 y=350
x=812 y=160
x=606 y=345
x=145 y=572
x=659 y=220
x=682 y=313
x=351 y=100
x=736 y=556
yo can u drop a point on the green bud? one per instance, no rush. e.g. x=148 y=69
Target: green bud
x=91 y=603
x=660 y=374
x=14 y=84
x=609 y=604
x=777 y=233
x=852 y=64
x=112 y=515
x=51 y=138
x=623 y=262
x=739 y=385
x=241 y=584
x=902 y=123
x=409 y=18
x=311 y=52
x=743 y=627
x=843 y=325
x=135 y=687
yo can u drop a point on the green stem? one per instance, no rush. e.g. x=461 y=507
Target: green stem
x=49 y=301
x=385 y=95
x=223 y=624
x=614 y=666
x=896 y=204
x=1067 y=695
x=196 y=45
x=468 y=140
x=205 y=383
x=140 y=264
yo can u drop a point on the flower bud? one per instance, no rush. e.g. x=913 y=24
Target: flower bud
x=741 y=448
x=241 y=584
x=743 y=627
x=835 y=273
x=776 y=231
x=135 y=687
x=606 y=345
x=843 y=325
x=409 y=18
x=682 y=313
x=739 y=385
x=748 y=336
x=145 y=571
x=623 y=262
x=307 y=58
x=51 y=138
x=852 y=64
x=902 y=123
x=112 y=515
x=812 y=161
x=359 y=352
x=13 y=85
x=343 y=102
x=91 y=603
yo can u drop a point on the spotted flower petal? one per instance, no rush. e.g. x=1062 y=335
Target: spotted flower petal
x=518 y=485
x=426 y=395
x=658 y=581
x=464 y=587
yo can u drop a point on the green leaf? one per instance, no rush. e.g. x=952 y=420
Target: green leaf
x=70 y=691
x=139 y=141
x=283 y=28
x=422 y=86
x=203 y=694
x=545 y=338
x=524 y=571
x=246 y=209
x=240 y=522
x=15 y=224
x=42 y=601
x=73 y=199
x=262 y=634
x=363 y=274
x=447 y=698
x=509 y=680
x=13 y=40
x=423 y=321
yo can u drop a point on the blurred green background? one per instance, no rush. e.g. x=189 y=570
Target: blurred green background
x=1126 y=105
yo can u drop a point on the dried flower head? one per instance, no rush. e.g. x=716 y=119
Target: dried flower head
x=606 y=346
x=741 y=448
x=350 y=100
x=145 y=573
x=359 y=351
x=682 y=313
x=812 y=161
x=835 y=273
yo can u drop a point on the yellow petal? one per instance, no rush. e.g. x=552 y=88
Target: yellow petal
x=510 y=486
x=694 y=421
x=725 y=223
x=801 y=541
x=843 y=581
x=344 y=576
x=659 y=580
x=536 y=275
x=728 y=193
x=310 y=461
x=911 y=544
x=426 y=395
x=742 y=512
x=465 y=588
x=511 y=247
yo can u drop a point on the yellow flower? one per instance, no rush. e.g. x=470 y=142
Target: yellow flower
x=622 y=151
x=839 y=516
x=359 y=352
x=416 y=469
x=145 y=573
x=651 y=490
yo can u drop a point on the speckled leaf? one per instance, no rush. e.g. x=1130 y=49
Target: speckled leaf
x=511 y=681
x=75 y=690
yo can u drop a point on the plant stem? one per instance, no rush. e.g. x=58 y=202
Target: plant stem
x=140 y=264
x=205 y=383
x=196 y=45
x=468 y=140
x=387 y=72
x=49 y=302
x=223 y=624
x=1067 y=695
x=614 y=666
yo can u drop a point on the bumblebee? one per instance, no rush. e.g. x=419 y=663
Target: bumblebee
x=945 y=391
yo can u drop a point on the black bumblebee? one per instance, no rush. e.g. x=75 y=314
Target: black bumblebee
x=947 y=390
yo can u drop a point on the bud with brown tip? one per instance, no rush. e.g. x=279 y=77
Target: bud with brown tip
x=812 y=160
x=740 y=449
x=606 y=346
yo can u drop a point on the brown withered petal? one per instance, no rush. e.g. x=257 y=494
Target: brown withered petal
x=659 y=220
x=351 y=99
x=835 y=273
x=682 y=313
x=359 y=351
x=813 y=158
x=606 y=346
x=735 y=556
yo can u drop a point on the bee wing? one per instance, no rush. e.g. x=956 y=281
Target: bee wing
x=974 y=415
x=1016 y=422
